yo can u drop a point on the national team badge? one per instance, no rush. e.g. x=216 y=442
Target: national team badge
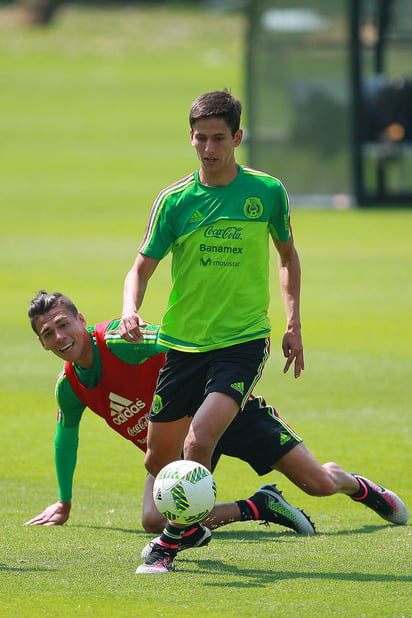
x=157 y=404
x=253 y=208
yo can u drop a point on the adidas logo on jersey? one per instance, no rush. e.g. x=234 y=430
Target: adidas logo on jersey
x=196 y=217
x=121 y=409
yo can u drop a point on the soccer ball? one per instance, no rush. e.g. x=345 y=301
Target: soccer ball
x=184 y=492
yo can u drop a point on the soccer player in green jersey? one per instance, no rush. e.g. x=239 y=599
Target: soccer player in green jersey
x=217 y=222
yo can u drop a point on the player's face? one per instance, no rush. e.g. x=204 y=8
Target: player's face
x=64 y=334
x=215 y=145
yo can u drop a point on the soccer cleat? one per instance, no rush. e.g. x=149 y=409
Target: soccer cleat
x=157 y=561
x=383 y=501
x=184 y=544
x=273 y=507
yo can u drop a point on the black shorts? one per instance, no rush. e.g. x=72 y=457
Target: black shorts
x=258 y=436
x=188 y=377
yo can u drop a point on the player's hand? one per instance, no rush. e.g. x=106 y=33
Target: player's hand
x=293 y=351
x=55 y=515
x=129 y=327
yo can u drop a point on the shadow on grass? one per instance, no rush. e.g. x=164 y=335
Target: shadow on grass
x=274 y=532
x=111 y=528
x=24 y=569
x=260 y=578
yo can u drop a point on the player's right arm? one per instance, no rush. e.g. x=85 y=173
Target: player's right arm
x=65 y=455
x=54 y=515
x=133 y=293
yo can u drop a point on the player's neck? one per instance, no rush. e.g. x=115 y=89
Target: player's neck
x=220 y=178
x=85 y=360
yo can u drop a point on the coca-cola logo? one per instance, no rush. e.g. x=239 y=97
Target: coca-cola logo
x=225 y=233
x=140 y=426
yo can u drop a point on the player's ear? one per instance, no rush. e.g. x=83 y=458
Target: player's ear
x=238 y=137
x=81 y=319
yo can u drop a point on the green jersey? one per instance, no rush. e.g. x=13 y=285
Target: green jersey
x=219 y=239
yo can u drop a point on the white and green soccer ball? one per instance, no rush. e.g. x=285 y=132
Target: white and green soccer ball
x=184 y=492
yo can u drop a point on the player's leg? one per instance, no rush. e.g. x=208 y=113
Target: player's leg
x=315 y=479
x=165 y=443
x=152 y=520
x=259 y=437
x=176 y=396
x=231 y=374
x=211 y=420
x=303 y=469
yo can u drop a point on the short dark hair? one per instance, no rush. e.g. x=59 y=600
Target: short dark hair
x=44 y=302
x=217 y=104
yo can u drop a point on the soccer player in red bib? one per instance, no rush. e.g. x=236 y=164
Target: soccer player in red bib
x=116 y=380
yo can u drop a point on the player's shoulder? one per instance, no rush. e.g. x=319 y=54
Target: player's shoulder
x=69 y=405
x=107 y=329
x=176 y=188
x=62 y=387
x=265 y=177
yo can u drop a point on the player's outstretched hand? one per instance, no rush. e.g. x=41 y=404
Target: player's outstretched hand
x=129 y=327
x=55 y=515
x=293 y=351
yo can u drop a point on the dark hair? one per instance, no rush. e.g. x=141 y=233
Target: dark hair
x=217 y=104
x=44 y=302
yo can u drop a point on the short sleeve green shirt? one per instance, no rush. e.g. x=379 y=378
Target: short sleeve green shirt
x=219 y=239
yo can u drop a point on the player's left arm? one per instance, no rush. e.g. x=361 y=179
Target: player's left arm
x=290 y=277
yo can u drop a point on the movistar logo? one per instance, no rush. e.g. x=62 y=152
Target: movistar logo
x=196 y=217
x=238 y=386
x=219 y=263
x=121 y=409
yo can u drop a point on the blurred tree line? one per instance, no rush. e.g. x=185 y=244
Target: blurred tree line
x=42 y=12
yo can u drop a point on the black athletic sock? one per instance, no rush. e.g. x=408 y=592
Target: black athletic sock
x=192 y=534
x=362 y=492
x=247 y=512
x=171 y=538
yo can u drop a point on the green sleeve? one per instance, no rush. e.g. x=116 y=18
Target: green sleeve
x=65 y=456
x=134 y=353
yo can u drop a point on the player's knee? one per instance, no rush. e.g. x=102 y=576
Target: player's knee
x=152 y=464
x=153 y=522
x=329 y=482
x=198 y=448
x=321 y=485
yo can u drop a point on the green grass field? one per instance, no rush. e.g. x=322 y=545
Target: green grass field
x=93 y=124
